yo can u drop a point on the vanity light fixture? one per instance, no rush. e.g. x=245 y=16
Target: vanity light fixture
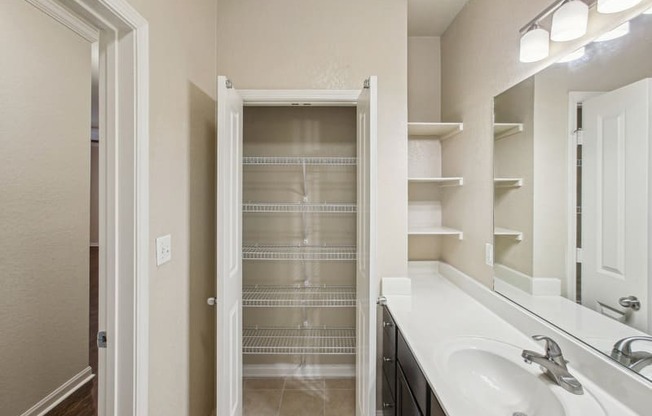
x=573 y=55
x=535 y=44
x=621 y=30
x=570 y=21
x=615 y=6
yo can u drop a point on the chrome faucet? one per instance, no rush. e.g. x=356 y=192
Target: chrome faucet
x=622 y=352
x=553 y=365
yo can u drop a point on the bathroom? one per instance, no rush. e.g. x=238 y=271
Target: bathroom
x=419 y=175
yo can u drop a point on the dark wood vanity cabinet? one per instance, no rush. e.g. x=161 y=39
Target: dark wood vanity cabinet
x=405 y=389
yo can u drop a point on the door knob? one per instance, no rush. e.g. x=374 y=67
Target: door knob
x=630 y=302
x=211 y=301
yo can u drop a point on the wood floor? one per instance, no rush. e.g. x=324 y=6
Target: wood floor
x=83 y=402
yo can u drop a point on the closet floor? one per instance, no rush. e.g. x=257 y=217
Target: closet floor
x=299 y=397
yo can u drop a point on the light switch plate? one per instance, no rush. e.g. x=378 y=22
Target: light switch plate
x=489 y=254
x=163 y=249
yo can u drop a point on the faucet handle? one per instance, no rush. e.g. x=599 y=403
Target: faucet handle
x=552 y=348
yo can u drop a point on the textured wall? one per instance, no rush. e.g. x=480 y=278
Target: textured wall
x=424 y=78
x=45 y=75
x=480 y=60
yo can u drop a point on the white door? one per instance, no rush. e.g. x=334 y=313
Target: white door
x=366 y=270
x=615 y=201
x=229 y=250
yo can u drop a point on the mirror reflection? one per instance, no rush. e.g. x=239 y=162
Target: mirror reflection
x=573 y=197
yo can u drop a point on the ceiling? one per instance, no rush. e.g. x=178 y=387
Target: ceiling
x=432 y=17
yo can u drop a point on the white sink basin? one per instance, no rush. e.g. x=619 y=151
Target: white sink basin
x=488 y=377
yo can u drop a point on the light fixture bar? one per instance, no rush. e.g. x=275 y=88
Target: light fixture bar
x=549 y=11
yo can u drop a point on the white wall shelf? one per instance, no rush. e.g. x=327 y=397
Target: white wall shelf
x=263 y=296
x=452 y=181
x=436 y=231
x=263 y=207
x=441 y=130
x=508 y=182
x=506 y=232
x=290 y=161
x=255 y=251
x=502 y=130
x=330 y=341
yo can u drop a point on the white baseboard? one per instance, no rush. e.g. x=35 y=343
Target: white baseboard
x=61 y=393
x=538 y=286
x=294 y=370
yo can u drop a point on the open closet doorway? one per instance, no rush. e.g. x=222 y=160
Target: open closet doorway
x=296 y=291
x=45 y=189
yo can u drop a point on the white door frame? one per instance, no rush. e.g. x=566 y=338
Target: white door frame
x=322 y=98
x=122 y=36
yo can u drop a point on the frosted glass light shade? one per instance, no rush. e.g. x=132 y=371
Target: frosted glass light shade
x=573 y=55
x=621 y=30
x=615 y=6
x=535 y=45
x=570 y=21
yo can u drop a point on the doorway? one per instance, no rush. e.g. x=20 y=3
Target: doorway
x=118 y=31
x=299 y=248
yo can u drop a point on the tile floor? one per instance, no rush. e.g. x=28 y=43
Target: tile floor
x=299 y=397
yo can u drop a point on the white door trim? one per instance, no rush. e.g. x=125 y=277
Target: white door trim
x=123 y=38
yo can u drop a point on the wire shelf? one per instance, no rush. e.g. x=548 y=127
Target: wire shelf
x=289 y=161
x=261 y=207
x=261 y=296
x=335 y=341
x=297 y=252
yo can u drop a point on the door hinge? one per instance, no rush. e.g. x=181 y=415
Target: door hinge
x=367 y=83
x=101 y=339
x=229 y=84
x=579 y=137
x=578 y=255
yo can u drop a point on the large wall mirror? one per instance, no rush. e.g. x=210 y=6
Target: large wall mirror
x=573 y=194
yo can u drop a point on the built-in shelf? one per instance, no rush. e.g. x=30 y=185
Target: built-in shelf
x=262 y=207
x=502 y=130
x=263 y=296
x=506 y=232
x=290 y=161
x=330 y=341
x=256 y=251
x=436 y=230
x=458 y=181
x=441 y=130
x=508 y=182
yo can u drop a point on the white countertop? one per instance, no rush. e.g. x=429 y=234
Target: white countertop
x=437 y=311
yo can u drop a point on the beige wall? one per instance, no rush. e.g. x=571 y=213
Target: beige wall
x=332 y=45
x=182 y=203
x=45 y=75
x=424 y=78
x=480 y=60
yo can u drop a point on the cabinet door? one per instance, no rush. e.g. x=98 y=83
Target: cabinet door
x=406 y=405
x=412 y=373
x=435 y=407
